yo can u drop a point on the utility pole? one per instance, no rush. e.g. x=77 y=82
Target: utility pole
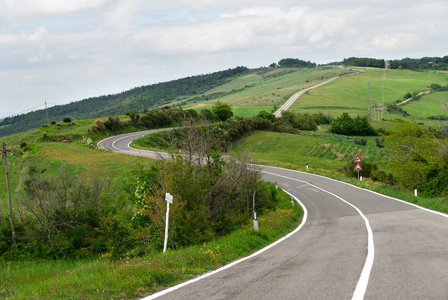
x=370 y=100
x=46 y=108
x=11 y=219
x=382 y=105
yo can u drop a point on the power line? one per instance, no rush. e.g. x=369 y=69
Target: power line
x=31 y=109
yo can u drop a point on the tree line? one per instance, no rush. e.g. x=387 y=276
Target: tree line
x=364 y=62
x=295 y=63
x=424 y=63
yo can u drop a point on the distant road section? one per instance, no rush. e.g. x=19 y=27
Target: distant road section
x=294 y=97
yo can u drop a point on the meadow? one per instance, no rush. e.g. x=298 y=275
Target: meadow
x=350 y=93
x=271 y=87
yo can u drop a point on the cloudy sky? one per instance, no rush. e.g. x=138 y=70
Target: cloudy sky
x=61 y=51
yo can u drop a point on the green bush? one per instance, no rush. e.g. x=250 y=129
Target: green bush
x=436 y=178
x=347 y=125
x=360 y=141
x=379 y=142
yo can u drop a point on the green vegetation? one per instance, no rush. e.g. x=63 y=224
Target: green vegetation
x=364 y=62
x=350 y=95
x=132 y=277
x=393 y=164
x=295 y=63
x=347 y=125
x=270 y=86
x=425 y=63
x=140 y=98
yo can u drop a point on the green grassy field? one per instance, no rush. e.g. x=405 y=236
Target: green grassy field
x=320 y=150
x=350 y=93
x=244 y=111
x=270 y=87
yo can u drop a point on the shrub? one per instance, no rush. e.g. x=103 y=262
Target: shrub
x=113 y=123
x=222 y=110
x=346 y=125
x=53 y=123
x=100 y=125
x=67 y=120
x=206 y=114
x=382 y=176
x=360 y=141
x=379 y=142
x=435 y=180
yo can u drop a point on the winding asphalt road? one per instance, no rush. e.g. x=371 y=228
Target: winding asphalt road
x=352 y=244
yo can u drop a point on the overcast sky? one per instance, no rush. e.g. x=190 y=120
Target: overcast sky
x=61 y=51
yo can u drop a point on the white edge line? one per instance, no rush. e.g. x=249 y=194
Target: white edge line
x=373 y=192
x=305 y=216
x=363 y=281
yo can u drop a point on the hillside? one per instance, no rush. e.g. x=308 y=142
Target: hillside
x=350 y=94
x=264 y=88
x=139 y=98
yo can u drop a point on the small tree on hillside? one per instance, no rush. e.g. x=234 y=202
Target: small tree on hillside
x=222 y=110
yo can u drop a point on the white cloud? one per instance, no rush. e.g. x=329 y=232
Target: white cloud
x=25 y=8
x=83 y=48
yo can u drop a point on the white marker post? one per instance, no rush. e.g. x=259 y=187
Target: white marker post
x=255 y=221
x=292 y=201
x=307 y=166
x=415 y=191
x=168 y=199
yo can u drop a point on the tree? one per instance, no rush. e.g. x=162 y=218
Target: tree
x=267 y=116
x=413 y=149
x=222 y=110
x=346 y=125
x=211 y=196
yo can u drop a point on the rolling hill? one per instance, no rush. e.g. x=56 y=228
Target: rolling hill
x=238 y=86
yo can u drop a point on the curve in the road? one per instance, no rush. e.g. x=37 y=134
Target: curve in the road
x=361 y=287
x=332 y=257
x=173 y=288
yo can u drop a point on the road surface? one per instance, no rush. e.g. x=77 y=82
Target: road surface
x=353 y=244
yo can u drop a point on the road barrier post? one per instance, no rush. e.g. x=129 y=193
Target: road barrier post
x=255 y=221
